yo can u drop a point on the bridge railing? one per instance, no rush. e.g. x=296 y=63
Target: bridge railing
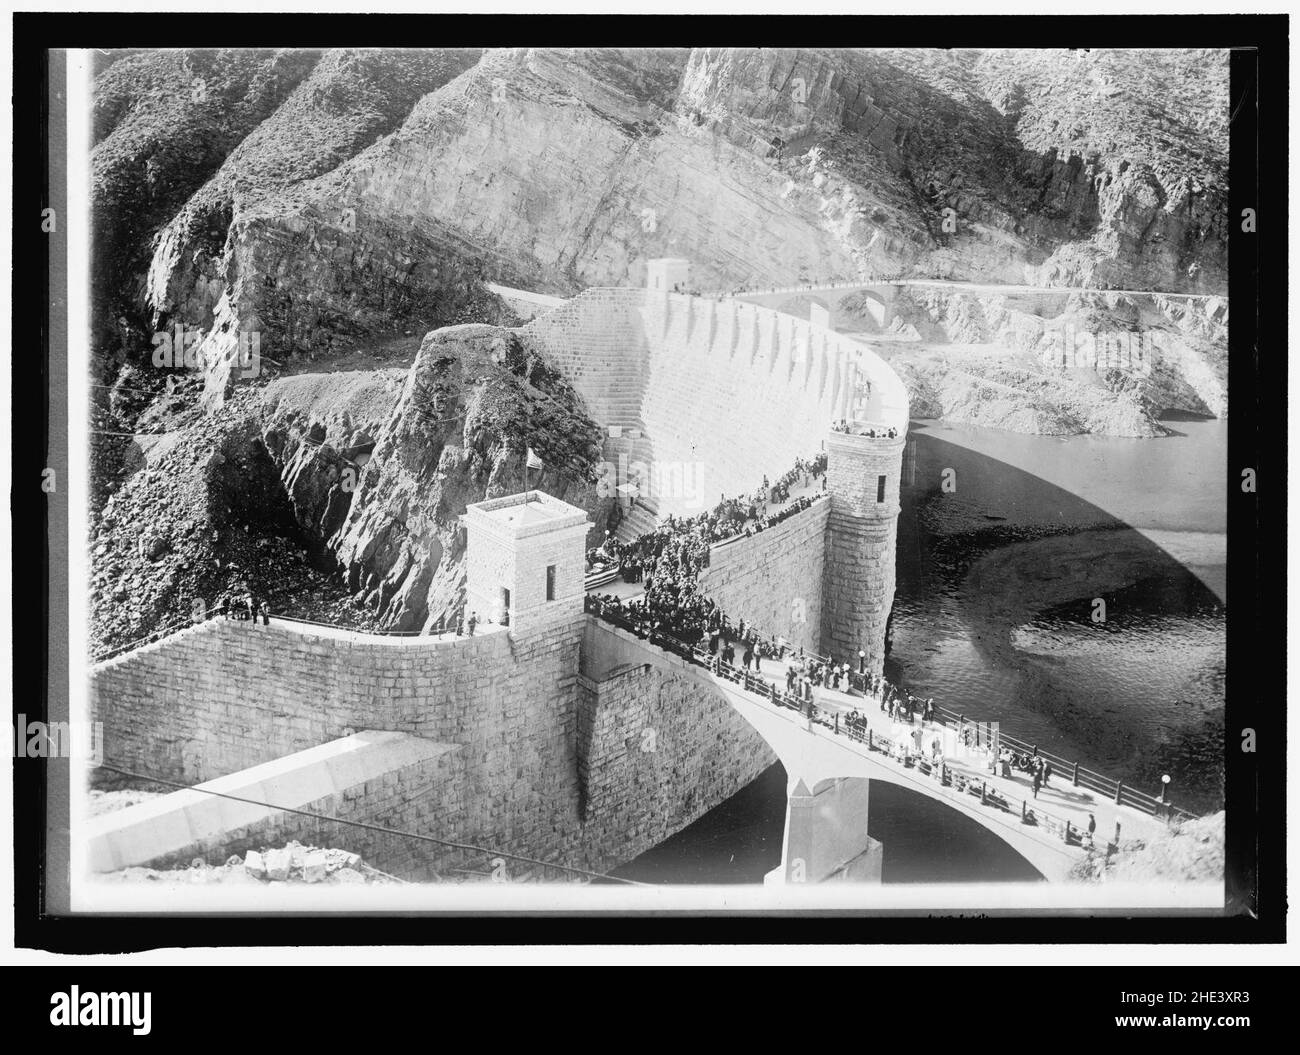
x=1029 y=813
x=982 y=733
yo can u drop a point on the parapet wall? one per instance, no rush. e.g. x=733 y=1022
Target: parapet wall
x=534 y=741
x=227 y=694
x=773 y=580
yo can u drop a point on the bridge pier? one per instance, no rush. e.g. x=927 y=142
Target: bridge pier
x=826 y=836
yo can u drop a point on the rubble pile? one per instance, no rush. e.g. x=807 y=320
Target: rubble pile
x=292 y=863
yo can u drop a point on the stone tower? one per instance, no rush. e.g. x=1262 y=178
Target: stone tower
x=862 y=476
x=525 y=558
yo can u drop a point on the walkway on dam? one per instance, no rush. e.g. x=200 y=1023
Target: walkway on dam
x=1049 y=830
x=606 y=580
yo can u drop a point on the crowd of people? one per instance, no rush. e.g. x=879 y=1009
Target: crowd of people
x=243 y=606
x=881 y=433
x=697 y=629
x=679 y=548
x=1034 y=765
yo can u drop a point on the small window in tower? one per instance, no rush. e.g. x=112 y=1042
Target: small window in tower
x=550 y=582
x=880 y=488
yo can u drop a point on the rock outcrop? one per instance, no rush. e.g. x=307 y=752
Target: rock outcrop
x=336 y=495
x=988 y=358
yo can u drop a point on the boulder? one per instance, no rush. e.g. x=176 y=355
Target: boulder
x=255 y=865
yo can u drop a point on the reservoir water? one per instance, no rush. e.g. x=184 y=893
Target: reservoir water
x=1071 y=589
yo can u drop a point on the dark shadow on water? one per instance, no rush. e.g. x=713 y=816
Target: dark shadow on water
x=995 y=619
x=739 y=842
x=926 y=841
x=1184 y=415
x=736 y=842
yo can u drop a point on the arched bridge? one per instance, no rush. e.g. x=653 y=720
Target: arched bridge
x=868 y=306
x=825 y=756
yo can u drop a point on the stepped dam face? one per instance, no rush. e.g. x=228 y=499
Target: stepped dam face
x=728 y=391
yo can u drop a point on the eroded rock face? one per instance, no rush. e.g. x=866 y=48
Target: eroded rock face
x=336 y=496
x=163 y=123
x=381 y=473
x=332 y=197
x=1062 y=168
x=992 y=359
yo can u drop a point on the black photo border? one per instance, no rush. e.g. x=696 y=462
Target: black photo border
x=1256 y=637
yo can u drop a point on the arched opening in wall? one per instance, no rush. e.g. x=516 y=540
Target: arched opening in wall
x=863 y=311
x=927 y=841
x=814 y=309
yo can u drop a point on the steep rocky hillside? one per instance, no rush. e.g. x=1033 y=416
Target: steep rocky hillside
x=986 y=358
x=317 y=197
x=323 y=204
x=334 y=496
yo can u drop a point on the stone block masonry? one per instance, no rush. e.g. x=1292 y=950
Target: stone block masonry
x=658 y=747
x=773 y=580
x=392 y=780
x=859 y=570
x=224 y=696
x=549 y=740
x=731 y=390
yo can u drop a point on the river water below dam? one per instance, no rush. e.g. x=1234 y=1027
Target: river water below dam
x=1006 y=544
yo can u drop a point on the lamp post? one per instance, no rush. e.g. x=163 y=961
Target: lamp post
x=1164 y=789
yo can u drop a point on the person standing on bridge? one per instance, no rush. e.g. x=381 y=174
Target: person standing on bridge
x=1038 y=779
x=1047 y=772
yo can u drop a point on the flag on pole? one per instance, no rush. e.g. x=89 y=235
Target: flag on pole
x=534 y=462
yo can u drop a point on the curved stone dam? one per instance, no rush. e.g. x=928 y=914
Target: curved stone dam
x=565 y=744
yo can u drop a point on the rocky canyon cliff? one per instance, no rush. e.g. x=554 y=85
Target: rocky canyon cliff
x=346 y=209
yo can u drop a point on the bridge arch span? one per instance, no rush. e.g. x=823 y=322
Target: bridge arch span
x=812 y=756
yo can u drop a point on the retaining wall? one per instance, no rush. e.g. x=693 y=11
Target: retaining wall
x=773 y=580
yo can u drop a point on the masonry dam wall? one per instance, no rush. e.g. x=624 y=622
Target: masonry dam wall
x=731 y=390
x=548 y=762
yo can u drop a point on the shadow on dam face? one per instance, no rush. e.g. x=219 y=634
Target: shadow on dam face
x=1020 y=601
